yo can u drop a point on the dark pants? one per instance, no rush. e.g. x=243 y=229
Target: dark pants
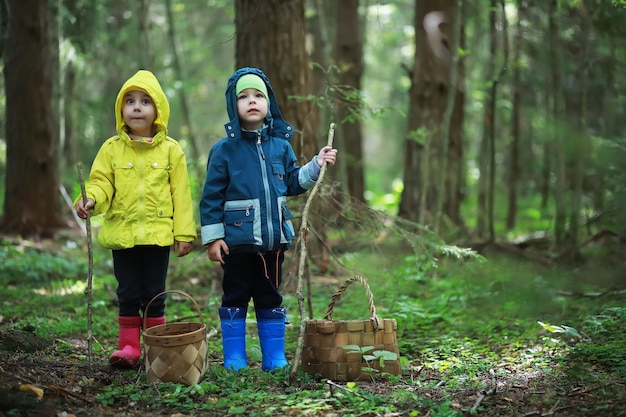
x=140 y=274
x=253 y=276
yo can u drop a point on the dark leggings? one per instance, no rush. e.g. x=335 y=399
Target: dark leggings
x=140 y=272
x=253 y=276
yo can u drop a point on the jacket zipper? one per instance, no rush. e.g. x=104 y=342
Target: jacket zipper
x=140 y=193
x=266 y=187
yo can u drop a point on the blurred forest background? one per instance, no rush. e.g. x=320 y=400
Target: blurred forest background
x=484 y=120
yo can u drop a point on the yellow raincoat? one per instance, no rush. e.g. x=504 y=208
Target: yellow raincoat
x=142 y=187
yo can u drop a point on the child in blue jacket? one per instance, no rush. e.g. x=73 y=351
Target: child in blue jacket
x=245 y=221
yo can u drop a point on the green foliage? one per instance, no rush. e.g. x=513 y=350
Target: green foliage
x=569 y=333
x=607 y=335
x=460 y=324
x=19 y=264
x=377 y=355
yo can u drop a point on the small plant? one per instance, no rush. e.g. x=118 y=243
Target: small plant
x=377 y=355
x=570 y=334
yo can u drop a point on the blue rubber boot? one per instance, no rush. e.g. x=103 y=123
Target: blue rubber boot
x=233 y=321
x=271 y=325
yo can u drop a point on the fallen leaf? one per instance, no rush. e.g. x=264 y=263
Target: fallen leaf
x=31 y=388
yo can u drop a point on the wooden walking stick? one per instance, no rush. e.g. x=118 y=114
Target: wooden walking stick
x=302 y=261
x=88 y=292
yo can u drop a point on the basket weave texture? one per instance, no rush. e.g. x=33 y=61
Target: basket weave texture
x=324 y=339
x=175 y=352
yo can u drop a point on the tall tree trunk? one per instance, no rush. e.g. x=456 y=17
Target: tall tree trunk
x=146 y=57
x=485 y=166
x=427 y=102
x=457 y=23
x=486 y=186
x=514 y=162
x=557 y=118
x=32 y=205
x=349 y=60
x=492 y=131
x=321 y=53
x=582 y=146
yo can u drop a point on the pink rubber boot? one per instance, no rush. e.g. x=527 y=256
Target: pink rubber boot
x=129 y=342
x=154 y=321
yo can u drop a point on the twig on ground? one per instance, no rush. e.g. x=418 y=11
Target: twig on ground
x=335 y=385
x=588 y=390
x=484 y=395
x=67 y=393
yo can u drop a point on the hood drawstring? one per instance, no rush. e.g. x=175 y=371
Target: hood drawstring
x=265 y=266
x=277 y=269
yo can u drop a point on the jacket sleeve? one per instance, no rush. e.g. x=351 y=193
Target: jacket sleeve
x=213 y=198
x=299 y=179
x=184 y=225
x=101 y=185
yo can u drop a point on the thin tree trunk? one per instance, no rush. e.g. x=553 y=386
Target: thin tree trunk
x=69 y=86
x=146 y=58
x=485 y=160
x=514 y=163
x=492 y=135
x=447 y=115
x=492 y=130
x=557 y=117
x=583 y=148
x=186 y=114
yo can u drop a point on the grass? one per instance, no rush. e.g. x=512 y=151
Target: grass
x=461 y=326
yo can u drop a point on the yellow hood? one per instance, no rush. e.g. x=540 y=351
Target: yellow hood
x=145 y=81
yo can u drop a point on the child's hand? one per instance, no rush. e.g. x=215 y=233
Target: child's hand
x=327 y=154
x=216 y=250
x=82 y=209
x=183 y=248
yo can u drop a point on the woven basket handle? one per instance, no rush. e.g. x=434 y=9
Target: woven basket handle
x=368 y=293
x=184 y=294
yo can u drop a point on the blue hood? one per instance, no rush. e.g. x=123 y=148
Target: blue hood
x=277 y=126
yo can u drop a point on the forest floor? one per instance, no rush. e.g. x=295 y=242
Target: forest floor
x=65 y=394
x=51 y=377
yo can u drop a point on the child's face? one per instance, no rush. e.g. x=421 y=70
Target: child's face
x=252 y=108
x=139 y=113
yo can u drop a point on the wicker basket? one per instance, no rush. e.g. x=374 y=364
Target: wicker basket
x=175 y=352
x=324 y=339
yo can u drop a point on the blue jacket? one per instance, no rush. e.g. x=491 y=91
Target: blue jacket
x=249 y=177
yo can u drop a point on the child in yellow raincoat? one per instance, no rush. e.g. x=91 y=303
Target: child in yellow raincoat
x=139 y=181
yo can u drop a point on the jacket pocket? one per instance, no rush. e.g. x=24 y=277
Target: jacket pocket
x=158 y=171
x=239 y=223
x=279 y=170
x=165 y=211
x=116 y=233
x=278 y=179
x=125 y=180
x=286 y=226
